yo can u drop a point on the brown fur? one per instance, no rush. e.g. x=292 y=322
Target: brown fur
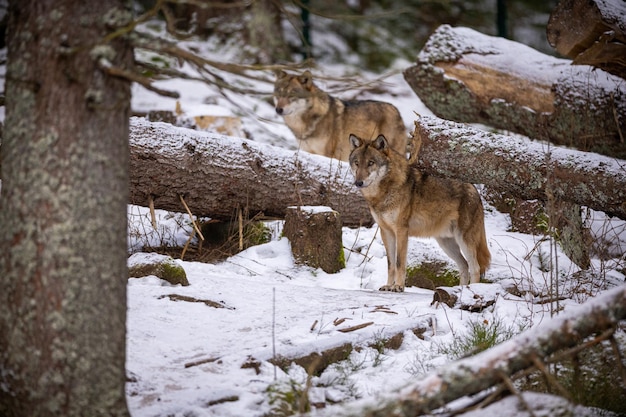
x=406 y=202
x=322 y=123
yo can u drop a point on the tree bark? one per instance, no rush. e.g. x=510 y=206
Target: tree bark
x=466 y=76
x=526 y=169
x=216 y=175
x=591 y=32
x=315 y=237
x=63 y=212
x=265 y=35
x=486 y=369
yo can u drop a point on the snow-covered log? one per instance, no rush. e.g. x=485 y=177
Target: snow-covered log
x=479 y=372
x=216 y=175
x=591 y=32
x=529 y=170
x=466 y=76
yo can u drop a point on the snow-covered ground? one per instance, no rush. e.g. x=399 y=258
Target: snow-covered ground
x=190 y=359
x=273 y=307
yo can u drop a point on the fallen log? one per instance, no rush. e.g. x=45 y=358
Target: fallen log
x=489 y=368
x=591 y=32
x=217 y=175
x=466 y=76
x=526 y=169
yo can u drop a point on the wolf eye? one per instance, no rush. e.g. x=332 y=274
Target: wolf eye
x=370 y=163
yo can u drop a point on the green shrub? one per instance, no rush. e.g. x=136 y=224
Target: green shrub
x=481 y=335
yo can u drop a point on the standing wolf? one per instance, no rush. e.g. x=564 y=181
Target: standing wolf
x=406 y=202
x=322 y=123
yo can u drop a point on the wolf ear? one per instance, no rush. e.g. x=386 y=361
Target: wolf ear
x=355 y=141
x=380 y=143
x=306 y=79
x=280 y=73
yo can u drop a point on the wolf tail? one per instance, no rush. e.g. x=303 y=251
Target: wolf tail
x=483 y=256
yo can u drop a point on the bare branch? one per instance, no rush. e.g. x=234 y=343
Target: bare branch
x=132 y=76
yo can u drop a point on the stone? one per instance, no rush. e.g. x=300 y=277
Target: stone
x=143 y=264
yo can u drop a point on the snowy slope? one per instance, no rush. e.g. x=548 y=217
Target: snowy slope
x=276 y=308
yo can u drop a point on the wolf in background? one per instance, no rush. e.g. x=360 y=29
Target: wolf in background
x=322 y=123
x=406 y=202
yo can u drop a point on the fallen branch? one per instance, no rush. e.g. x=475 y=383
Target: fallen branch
x=357 y=327
x=178 y=297
x=201 y=362
x=475 y=374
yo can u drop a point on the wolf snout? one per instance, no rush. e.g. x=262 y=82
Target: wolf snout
x=279 y=110
x=359 y=183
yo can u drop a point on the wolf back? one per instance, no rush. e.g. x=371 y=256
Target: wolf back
x=322 y=123
x=406 y=202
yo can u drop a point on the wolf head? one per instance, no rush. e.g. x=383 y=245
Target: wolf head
x=292 y=93
x=369 y=161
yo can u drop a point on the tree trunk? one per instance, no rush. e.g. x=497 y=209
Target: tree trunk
x=591 y=32
x=215 y=175
x=63 y=212
x=477 y=373
x=528 y=170
x=466 y=76
x=265 y=35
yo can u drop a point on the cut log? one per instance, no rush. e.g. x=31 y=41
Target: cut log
x=526 y=169
x=315 y=237
x=489 y=368
x=216 y=175
x=591 y=32
x=466 y=76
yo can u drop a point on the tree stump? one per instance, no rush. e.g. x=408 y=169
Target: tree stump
x=315 y=236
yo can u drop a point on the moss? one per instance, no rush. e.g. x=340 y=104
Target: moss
x=174 y=273
x=161 y=266
x=342 y=259
x=430 y=275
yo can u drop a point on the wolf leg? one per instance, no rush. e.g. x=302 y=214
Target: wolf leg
x=452 y=249
x=390 y=240
x=402 y=243
x=470 y=254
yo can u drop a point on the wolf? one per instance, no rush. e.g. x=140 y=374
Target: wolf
x=406 y=202
x=322 y=123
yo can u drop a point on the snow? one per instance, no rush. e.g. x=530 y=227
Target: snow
x=614 y=11
x=543 y=406
x=185 y=358
x=277 y=308
x=190 y=359
x=523 y=149
x=450 y=44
